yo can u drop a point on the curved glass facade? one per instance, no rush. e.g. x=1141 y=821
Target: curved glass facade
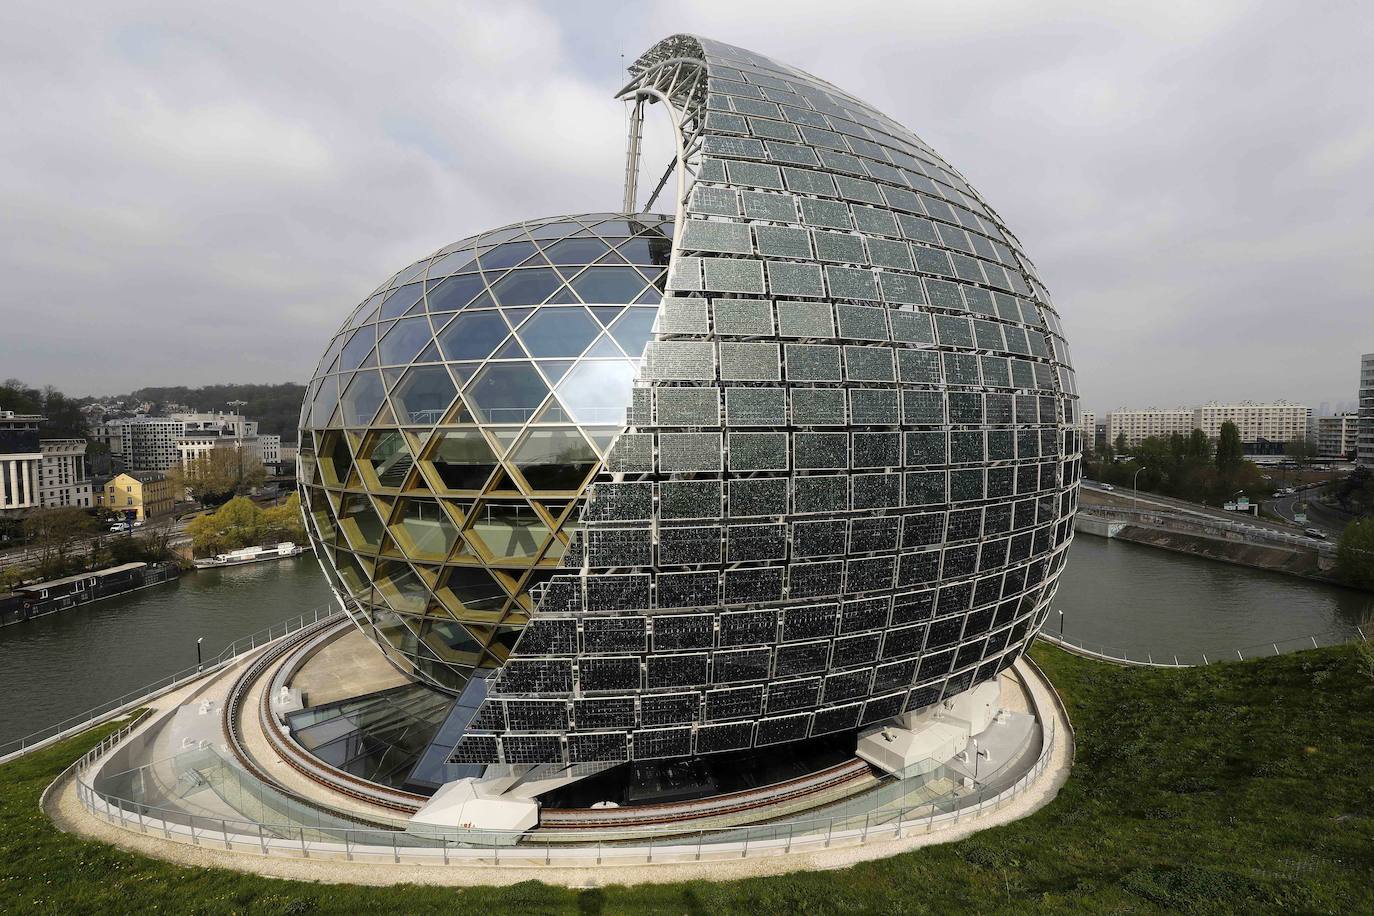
x=458 y=414
x=844 y=486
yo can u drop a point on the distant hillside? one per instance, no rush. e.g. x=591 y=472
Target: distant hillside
x=277 y=408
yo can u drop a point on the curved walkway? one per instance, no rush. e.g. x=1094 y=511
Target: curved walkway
x=65 y=808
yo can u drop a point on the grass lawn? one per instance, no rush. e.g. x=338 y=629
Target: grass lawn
x=1237 y=788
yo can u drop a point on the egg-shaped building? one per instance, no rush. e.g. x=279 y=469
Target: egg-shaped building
x=800 y=458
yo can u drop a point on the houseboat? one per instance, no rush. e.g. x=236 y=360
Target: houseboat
x=42 y=598
x=251 y=555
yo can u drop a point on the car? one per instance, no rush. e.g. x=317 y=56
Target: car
x=1109 y=488
x=121 y=526
x=1315 y=533
x=138 y=524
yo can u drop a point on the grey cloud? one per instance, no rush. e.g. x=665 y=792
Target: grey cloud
x=1192 y=179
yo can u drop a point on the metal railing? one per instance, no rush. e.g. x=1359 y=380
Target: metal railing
x=562 y=848
x=1195 y=657
x=82 y=721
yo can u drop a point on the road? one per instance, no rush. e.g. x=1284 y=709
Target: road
x=176 y=529
x=1283 y=508
x=1289 y=507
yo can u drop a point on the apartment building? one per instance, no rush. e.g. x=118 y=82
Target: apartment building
x=1138 y=425
x=62 y=476
x=1338 y=436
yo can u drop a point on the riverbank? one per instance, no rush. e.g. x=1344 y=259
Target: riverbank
x=1233 y=788
x=1302 y=563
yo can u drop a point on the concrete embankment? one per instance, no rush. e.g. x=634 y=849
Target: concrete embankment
x=1295 y=562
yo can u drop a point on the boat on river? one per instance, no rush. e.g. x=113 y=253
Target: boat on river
x=251 y=555
x=42 y=598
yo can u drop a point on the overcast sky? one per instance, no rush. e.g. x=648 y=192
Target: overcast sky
x=199 y=193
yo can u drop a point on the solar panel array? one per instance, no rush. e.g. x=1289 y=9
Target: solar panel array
x=846 y=484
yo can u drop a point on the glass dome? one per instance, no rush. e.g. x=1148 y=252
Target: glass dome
x=456 y=416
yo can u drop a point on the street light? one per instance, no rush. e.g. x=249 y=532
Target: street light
x=976 y=754
x=1061 y=624
x=1135 y=491
x=199 y=640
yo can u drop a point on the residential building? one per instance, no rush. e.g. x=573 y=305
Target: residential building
x=1264 y=428
x=193 y=446
x=1337 y=436
x=1087 y=428
x=147 y=493
x=150 y=443
x=1365 y=438
x=271 y=448
x=21 y=456
x=1138 y=425
x=235 y=424
x=62 y=477
x=146 y=443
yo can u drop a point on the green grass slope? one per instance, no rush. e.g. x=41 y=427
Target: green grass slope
x=1245 y=787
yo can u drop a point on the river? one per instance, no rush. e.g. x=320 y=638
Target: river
x=1113 y=593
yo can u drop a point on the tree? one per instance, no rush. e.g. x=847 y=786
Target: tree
x=1229 y=451
x=241 y=523
x=54 y=532
x=1302 y=451
x=218 y=475
x=1120 y=443
x=1355 y=554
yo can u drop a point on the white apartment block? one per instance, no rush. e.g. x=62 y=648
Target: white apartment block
x=1277 y=422
x=192 y=447
x=1337 y=436
x=21 y=456
x=62 y=477
x=1087 y=427
x=1138 y=425
x=1364 y=444
x=271 y=448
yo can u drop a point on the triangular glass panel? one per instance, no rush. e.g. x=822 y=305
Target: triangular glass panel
x=602 y=437
x=424 y=395
x=482 y=301
x=504 y=438
x=554 y=369
x=564 y=296
x=611 y=257
x=554 y=459
x=650 y=296
x=511 y=349
x=558 y=332
x=459 y=413
x=506 y=392
x=431 y=354
x=502 y=482
x=463 y=371
x=604 y=347
x=393 y=375
x=634 y=329
x=515 y=316
x=553 y=412
x=607 y=313
x=385 y=417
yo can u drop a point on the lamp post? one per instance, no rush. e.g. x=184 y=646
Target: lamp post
x=199 y=640
x=1061 y=624
x=1135 y=491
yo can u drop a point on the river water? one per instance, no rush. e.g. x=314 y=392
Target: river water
x=1114 y=594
